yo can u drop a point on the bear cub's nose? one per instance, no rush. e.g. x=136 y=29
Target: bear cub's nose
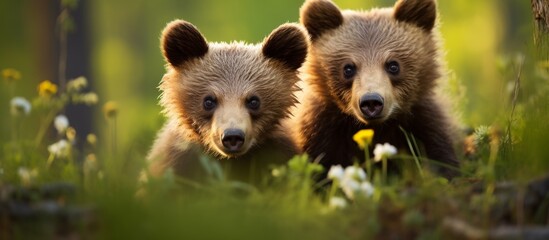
x=233 y=139
x=371 y=105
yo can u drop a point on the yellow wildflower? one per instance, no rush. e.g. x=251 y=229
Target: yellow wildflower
x=110 y=109
x=364 y=137
x=92 y=139
x=10 y=74
x=47 y=88
x=71 y=133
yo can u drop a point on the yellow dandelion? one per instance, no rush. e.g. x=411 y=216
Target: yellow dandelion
x=364 y=137
x=10 y=74
x=71 y=133
x=47 y=88
x=92 y=139
x=110 y=109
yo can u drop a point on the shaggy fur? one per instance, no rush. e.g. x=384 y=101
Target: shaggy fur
x=330 y=113
x=230 y=74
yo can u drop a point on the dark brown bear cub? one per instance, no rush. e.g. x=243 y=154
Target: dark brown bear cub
x=375 y=69
x=226 y=100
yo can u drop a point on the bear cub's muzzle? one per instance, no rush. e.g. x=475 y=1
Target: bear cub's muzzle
x=233 y=140
x=371 y=105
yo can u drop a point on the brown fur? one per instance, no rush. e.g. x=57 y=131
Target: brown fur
x=322 y=16
x=231 y=73
x=329 y=114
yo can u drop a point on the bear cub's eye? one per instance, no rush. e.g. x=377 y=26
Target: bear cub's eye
x=392 y=67
x=349 y=71
x=253 y=103
x=209 y=103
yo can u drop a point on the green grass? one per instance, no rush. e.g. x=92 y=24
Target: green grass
x=102 y=191
x=113 y=197
x=117 y=201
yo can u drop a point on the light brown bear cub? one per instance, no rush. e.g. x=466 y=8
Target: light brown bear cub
x=226 y=99
x=372 y=69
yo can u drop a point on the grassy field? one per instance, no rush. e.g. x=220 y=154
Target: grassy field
x=59 y=183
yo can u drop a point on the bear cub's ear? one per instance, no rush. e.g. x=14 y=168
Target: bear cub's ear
x=287 y=44
x=181 y=41
x=319 y=16
x=422 y=13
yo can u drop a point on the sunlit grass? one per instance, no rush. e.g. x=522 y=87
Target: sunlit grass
x=360 y=201
x=56 y=182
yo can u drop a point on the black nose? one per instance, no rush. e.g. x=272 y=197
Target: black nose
x=233 y=139
x=371 y=105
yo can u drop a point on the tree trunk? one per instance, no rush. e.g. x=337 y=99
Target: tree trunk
x=540 y=10
x=78 y=64
x=43 y=16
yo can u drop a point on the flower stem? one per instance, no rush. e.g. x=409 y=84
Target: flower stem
x=14 y=129
x=43 y=128
x=384 y=169
x=50 y=160
x=12 y=90
x=491 y=176
x=333 y=189
x=112 y=129
x=368 y=162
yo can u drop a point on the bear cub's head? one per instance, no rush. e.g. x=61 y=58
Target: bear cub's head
x=229 y=96
x=373 y=64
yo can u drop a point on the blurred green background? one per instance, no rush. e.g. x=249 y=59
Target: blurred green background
x=116 y=45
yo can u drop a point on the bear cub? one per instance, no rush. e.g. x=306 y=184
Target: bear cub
x=373 y=69
x=226 y=100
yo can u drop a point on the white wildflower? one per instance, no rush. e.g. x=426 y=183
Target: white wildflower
x=337 y=203
x=77 y=84
x=20 y=106
x=336 y=172
x=61 y=123
x=90 y=98
x=60 y=149
x=354 y=189
x=350 y=187
x=356 y=173
x=26 y=175
x=366 y=189
x=384 y=151
x=355 y=183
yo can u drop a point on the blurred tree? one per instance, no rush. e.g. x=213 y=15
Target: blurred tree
x=78 y=64
x=540 y=9
x=60 y=36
